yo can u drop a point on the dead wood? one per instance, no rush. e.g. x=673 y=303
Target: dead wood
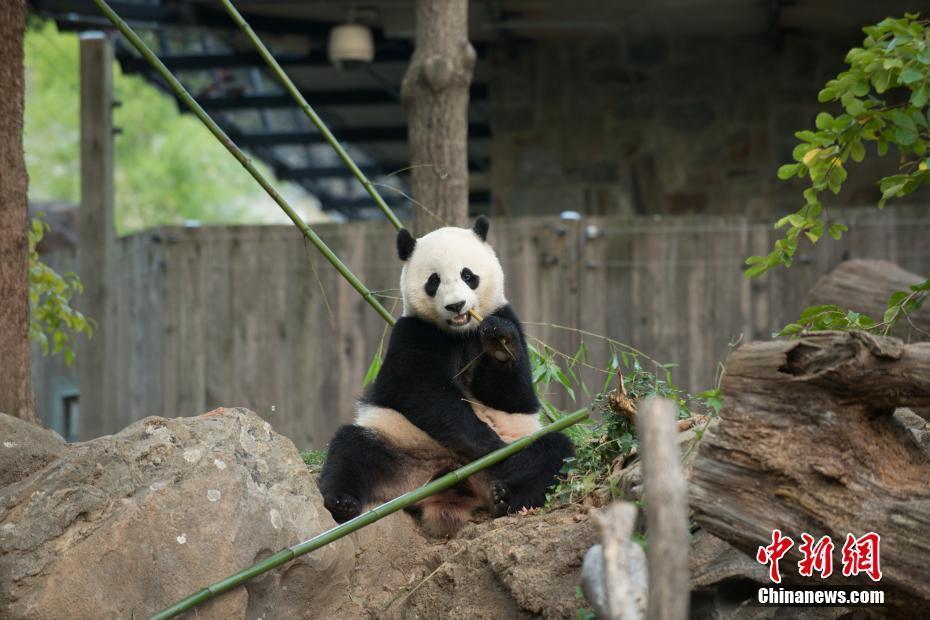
x=807 y=442
x=864 y=285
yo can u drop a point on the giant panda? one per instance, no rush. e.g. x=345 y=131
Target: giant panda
x=450 y=390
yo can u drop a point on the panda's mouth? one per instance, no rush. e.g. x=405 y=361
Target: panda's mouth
x=460 y=319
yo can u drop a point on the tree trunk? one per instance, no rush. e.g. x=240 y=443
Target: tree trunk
x=16 y=397
x=864 y=285
x=807 y=443
x=435 y=93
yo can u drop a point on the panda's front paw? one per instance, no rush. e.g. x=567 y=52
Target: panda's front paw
x=500 y=499
x=342 y=506
x=500 y=339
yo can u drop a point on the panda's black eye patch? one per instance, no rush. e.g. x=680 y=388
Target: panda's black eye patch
x=432 y=285
x=470 y=278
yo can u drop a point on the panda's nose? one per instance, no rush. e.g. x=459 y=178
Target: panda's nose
x=456 y=307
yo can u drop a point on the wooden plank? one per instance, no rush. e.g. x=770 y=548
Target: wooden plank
x=96 y=233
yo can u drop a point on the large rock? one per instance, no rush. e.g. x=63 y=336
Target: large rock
x=25 y=448
x=124 y=525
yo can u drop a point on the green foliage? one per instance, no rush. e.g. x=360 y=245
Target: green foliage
x=584 y=611
x=831 y=317
x=314 y=459
x=53 y=323
x=602 y=447
x=883 y=96
x=169 y=168
x=546 y=369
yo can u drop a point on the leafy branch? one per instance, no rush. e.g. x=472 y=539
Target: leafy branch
x=883 y=95
x=53 y=323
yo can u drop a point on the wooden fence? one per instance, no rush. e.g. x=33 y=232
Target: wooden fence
x=252 y=316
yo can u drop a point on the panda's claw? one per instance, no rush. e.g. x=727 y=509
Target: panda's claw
x=500 y=338
x=500 y=499
x=342 y=506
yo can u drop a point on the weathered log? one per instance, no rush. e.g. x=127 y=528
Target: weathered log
x=865 y=285
x=807 y=442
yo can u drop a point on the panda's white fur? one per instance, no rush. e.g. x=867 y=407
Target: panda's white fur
x=446 y=251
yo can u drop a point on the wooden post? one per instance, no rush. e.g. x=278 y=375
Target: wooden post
x=435 y=93
x=666 y=510
x=96 y=238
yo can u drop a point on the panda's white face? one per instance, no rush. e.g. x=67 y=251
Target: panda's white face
x=451 y=271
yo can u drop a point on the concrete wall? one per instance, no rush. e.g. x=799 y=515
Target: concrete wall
x=658 y=125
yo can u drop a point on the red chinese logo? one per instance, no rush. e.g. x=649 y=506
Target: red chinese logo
x=773 y=553
x=860 y=555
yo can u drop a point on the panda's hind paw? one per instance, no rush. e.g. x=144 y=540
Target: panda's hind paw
x=342 y=506
x=500 y=499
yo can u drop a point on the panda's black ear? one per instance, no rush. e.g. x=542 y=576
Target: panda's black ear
x=481 y=227
x=405 y=244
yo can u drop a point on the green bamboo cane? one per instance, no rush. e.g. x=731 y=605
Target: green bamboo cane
x=309 y=111
x=367 y=518
x=225 y=140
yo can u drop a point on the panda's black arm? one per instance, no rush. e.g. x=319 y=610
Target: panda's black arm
x=505 y=384
x=417 y=379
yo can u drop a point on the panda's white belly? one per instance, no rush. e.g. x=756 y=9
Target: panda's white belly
x=407 y=436
x=508 y=426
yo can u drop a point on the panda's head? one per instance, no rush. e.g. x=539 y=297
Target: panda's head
x=449 y=272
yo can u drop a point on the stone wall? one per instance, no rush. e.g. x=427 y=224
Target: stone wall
x=662 y=125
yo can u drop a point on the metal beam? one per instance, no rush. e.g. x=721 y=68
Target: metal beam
x=368 y=96
x=347 y=205
x=350 y=134
x=341 y=172
x=131 y=63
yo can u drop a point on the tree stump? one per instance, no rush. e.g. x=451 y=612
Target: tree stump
x=807 y=442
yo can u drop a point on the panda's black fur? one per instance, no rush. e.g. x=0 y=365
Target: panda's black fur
x=437 y=379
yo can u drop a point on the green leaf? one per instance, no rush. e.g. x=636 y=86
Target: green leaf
x=836 y=230
x=789 y=170
x=901 y=119
x=910 y=75
x=824 y=120
x=825 y=95
x=919 y=97
x=860 y=88
x=905 y=136
x=880 y=80
x=373 y=369
x=791 y=329
x=857 y=150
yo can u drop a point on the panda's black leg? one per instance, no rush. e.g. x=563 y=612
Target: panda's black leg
x=356 y=461
x=522 y=480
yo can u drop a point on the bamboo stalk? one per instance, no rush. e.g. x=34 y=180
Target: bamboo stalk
x=367 y=518
x=225 y=140
x=292 y=89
